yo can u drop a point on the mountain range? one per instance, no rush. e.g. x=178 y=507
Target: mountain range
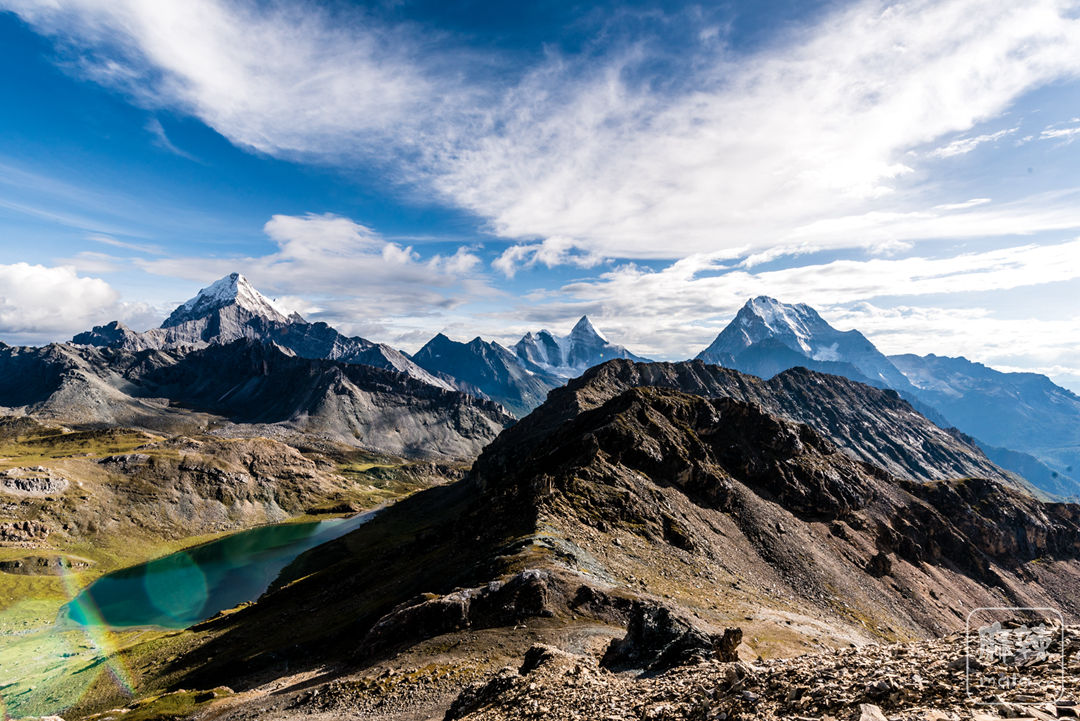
x=1023 y=422
x=645 y=515
x=570 y=355
x=231 y=309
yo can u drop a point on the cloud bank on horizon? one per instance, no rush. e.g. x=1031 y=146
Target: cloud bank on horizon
x=906 y=167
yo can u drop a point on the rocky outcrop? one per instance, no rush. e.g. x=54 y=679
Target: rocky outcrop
x=658 y=638
x=32 y=481
x=20 y=532
x=528 y=594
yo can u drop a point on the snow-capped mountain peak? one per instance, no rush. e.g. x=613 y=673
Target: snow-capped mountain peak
x=768 y=335
x=233 y=289
x=584 y=329
x=569 y=355
x=767 y=317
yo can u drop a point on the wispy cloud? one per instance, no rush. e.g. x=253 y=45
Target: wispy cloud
x=964 y=205
x=146 y=248
x=1064 y=131
x=962 y=146
x=761 y=148
x=161 y=138
x=581 y=158
x=274 y=77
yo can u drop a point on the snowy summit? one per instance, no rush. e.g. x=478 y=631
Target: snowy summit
x=233 y=289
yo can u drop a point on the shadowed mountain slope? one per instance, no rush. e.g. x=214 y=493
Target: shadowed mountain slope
x=249 y=383
x=872 y=424
x=488 y=370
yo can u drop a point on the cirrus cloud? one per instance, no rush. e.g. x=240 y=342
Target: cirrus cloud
x=594 y=156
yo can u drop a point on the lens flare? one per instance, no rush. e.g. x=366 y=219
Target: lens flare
x=82 y=609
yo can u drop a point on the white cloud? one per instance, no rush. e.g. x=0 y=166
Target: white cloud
x=764 y=147
x=674 y=312
x=278 y=78
x=1007 y=344
x=962 y=146
x=1068 y=133
x=551 y=252
x=816 y=141
x=146 y=248
x=161 y=138
x=45 y=303
x=964 y=205
x=346 y=272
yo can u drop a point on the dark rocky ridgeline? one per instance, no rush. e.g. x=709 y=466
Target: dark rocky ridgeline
x=256 y=385
x=623 y=504
x=871 y=424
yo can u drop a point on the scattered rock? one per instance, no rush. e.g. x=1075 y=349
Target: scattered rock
x=917 y=682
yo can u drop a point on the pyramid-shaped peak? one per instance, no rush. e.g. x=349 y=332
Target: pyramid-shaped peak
x=232 y=290
x=584 y=327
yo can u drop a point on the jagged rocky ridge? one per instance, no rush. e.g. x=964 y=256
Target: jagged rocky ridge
x=257 y=386
x=872 y=424
x=231 y=309
x=567 y=356
x=616 y=496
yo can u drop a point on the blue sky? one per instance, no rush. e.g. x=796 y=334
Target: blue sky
x=402 y=168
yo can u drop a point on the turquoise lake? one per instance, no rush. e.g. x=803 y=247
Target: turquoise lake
x=189 y=586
